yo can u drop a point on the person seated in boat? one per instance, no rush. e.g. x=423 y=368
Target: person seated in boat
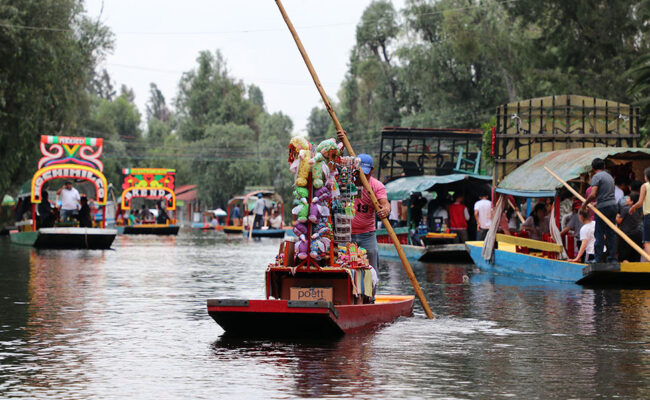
x=46 y=214
x=587 y=237
x=458 y=217
x=83 y=216
x=276 y=220
x=537 y=224
x=145 y=214
x=573 y=224
x=632 y=226
x=437 y=215
x=247 y=221
x=69 y=201
x=132 y=219
x=162 y=217
x=236 y=216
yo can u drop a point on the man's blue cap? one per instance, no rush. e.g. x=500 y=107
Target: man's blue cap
x=366 y=163
x=259 y=195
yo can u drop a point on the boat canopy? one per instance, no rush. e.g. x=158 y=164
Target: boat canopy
x=401 y=188
x=532 y=180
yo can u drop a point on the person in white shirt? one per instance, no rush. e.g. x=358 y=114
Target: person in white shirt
x=69 y=200
x=586 y=236
x=483 y=215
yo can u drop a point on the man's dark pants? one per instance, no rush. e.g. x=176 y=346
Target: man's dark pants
x=605 y=235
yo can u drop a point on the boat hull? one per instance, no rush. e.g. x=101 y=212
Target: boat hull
x=153 y=229
x=66 y=238
x=305 y=318
x=530 y=266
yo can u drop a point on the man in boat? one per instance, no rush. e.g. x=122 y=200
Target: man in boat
x=483 y=215
x=69 y=200
x=145 y=214
x=236 y=216
x=364 y=231
x=602 y=190
x=260 y=208
x=162 y=217
x=46 y=215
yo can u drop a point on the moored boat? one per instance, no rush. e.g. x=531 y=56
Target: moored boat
x=73 y=158
x=440 y=243
x=542 y=259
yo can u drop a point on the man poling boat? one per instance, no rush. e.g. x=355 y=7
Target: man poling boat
x=319 y=285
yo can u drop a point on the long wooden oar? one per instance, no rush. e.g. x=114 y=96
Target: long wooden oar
x=364 y=181
x=607 y=221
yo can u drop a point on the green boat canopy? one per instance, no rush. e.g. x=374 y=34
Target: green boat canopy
x=401 y=188
x=8 y=200
x=531 y=179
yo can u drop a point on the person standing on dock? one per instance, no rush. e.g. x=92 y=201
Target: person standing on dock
x=69 y=200
x=363 y=224
x=483 y=215
x=602 y=190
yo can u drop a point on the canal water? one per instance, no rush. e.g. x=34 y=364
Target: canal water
x=132 y=323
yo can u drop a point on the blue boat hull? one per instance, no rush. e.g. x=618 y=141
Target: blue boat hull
x=525 y=265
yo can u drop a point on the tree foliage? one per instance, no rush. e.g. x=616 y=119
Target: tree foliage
x=48 y=53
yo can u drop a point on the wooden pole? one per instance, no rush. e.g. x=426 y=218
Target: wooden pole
x=364 y=181
x=521 y=218
x=607 y=221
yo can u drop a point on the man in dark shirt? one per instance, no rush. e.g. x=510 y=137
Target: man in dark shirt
x=602 y=190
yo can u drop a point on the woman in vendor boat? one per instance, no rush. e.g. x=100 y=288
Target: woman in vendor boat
x=538 y=223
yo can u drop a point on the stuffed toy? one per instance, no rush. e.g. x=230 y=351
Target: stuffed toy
x=318 y=208
x=300 y=160
x=326 y=152
x=303 y=247
x=302 y=209
x=321 y=240
x=300 y=229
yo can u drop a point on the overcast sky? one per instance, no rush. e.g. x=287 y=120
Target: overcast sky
x=157 y=40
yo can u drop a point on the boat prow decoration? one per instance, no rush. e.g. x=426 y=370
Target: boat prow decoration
x=65 y=157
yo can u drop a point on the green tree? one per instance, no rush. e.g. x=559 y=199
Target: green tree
x=318 y=124
x=48 y=52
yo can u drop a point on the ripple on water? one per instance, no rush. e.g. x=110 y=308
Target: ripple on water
x=132 y=323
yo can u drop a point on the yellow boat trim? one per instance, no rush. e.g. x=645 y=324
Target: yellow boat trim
x=390 y=298
x=148 y=226
x=635 y=267
x=511 y=248
x=530 y=243
x=433 y=235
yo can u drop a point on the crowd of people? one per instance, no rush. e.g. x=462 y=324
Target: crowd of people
x=624 y=201
x=74 y=206
x=262 y=215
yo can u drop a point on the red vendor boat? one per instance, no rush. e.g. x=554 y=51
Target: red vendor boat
x=321 y=283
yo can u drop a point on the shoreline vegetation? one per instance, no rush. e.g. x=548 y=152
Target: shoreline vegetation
x=447 y=63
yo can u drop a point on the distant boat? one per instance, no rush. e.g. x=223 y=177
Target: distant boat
x=247 y=203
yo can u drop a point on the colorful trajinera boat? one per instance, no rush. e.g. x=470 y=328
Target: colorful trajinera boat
x=246 y=204
x=320 y=284
x=150 y=184
x=73 y=158
x=438 y=243
x=547 y=260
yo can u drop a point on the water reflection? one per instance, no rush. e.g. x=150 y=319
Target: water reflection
x=120 y=323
